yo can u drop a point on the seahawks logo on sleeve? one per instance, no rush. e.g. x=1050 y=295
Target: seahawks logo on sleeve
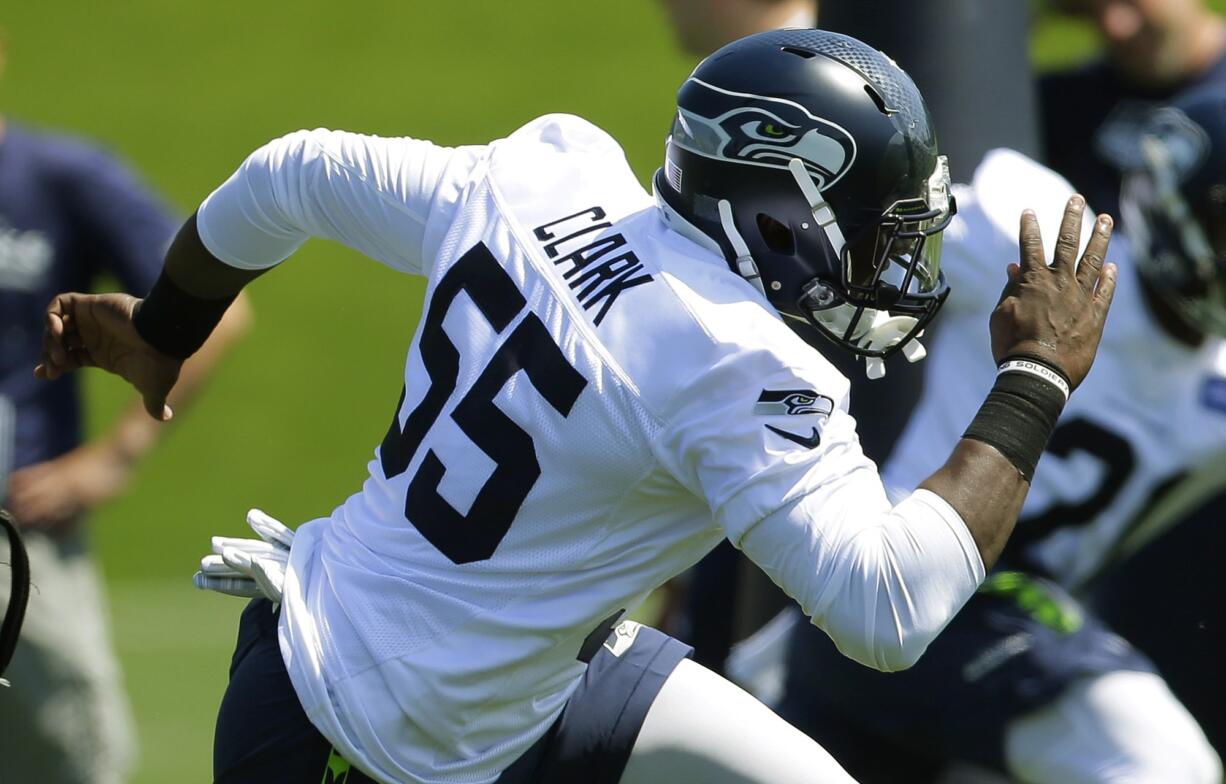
x=764 y=131
x=794 y=402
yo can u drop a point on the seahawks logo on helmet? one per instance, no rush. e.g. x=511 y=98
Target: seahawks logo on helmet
x=764 y=131
x=1123 y=137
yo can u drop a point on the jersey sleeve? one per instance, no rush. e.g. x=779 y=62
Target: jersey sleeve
x=754 y=430
x=768 y=442
x=122 y=220
x=385 y=197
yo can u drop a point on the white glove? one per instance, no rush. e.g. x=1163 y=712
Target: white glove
x=248 y=567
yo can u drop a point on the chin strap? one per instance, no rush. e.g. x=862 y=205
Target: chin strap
x=822 y=214
x=877 y=330
x=886 y=332
x=744 y=261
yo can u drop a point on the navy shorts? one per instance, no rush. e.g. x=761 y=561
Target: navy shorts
x=1015 y=646
x=264 y=737
x=1165 y=600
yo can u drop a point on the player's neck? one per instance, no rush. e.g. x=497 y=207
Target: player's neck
x=1195 y=50
x=1170 y=321
x=1207 y=45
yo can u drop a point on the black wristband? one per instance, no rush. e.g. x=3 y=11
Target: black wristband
x=177 y=323
x=1018 y=418
x=1046 y=366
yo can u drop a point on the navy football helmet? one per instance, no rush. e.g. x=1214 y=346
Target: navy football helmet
x=1173 y=203
x=808 y=160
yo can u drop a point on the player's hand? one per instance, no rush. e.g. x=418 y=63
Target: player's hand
x=1056 y=313
x=55 y=494
x=249 y=567
x=96 y=330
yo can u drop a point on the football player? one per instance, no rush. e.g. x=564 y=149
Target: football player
x=702 y=26
x=600 y=389
x=1025 y=679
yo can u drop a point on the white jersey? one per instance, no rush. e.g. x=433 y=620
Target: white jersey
x=1150 y=409
x=591 y=403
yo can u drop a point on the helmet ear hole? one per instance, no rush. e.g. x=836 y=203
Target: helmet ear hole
x=877 y=98
x=777 y=236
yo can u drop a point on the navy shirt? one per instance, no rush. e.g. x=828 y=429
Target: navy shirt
x=68 y=214
x=1074 y=105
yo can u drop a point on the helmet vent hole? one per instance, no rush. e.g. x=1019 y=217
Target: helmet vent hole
x=877 y=99
x=805 y=53
x=777 y=236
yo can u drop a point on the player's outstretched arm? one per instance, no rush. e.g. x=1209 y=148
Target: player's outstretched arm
x=144 y=341
x=1045 y=333
x=373 y=194
x=884 y=580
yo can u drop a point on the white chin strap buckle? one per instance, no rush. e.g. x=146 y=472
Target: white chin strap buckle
x=887 y=331
x=876 y=330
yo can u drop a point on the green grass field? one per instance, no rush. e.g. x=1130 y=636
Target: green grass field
x=184 y=91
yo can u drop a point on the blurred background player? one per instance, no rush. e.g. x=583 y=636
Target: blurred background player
x=70 y=213
x=1026 y=680
x=702 y=26
x=1156 y=598
x=1154 y=49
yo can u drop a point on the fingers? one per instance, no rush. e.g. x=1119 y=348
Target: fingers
x=1069 y=237
x=252 y=559
x=243 y=587
x=223 y=543
x=1012 y=273
x=54 y=353
x=59 y=339
x=216 y=566
x=155 y=406
x=1031 y=242
x=1091 y=264
x=1105 y=291
x=270 y=576
x=270 y=529
x=53 y=337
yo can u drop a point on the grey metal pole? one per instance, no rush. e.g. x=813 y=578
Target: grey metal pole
x=970 y=59
x=8 y=434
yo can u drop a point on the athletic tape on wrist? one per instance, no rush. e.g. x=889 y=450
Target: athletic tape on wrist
x=1018 y=418
x=175 y=322
x=1038 y=369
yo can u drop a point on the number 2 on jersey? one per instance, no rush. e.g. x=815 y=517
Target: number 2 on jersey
x=465 y=538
